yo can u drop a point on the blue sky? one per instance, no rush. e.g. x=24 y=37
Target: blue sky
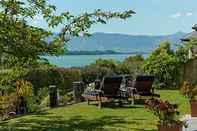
x=153 y=17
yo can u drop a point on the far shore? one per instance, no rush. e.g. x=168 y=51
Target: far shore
x=107 y=52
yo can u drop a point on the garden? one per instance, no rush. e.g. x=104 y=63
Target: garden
x=88 y=117
x=36 y=95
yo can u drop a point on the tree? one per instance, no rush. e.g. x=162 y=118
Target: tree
x=22 y=45
x=164 y=65
x=132 y=65
x=98 y=70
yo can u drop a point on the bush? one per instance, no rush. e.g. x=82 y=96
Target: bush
x=7 y=104
x=65 y=99
x=98 y=70
x=39 y=79
x=45 y=102
x=189 y=90
x=32 y=104
x=132 y=65
x=90 y=73
x=61 y=77
x=165 y=111
x=26 y=101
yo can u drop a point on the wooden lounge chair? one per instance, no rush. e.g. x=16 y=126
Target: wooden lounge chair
x=142 y=88
x=109 y=90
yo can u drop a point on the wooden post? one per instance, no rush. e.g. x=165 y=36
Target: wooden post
x=53 y=96
x=78 y=89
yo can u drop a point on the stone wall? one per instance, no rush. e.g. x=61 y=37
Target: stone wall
x=190 y=71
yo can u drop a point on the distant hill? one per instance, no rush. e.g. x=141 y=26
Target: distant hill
x=121 y=42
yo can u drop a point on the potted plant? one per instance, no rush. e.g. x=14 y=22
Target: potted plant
x=167 y=114
x=190 y=91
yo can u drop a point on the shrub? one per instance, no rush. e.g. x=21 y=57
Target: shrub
x=24 y=88
x=132 y=65
x=65 y=99
x=98 y=70
x=7 y=104
x=90 y=73
x=26 y=101
x=45 y=102
x=39 y=79
x=61 y=77
x=189 y=90
x=166 y=112
x=32 y=105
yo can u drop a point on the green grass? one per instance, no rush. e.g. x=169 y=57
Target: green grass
x=83 y=117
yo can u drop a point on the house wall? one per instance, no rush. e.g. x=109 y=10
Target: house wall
x=190 y=71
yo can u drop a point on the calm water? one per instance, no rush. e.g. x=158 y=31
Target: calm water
x=82 y=60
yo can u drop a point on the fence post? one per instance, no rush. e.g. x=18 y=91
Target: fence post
x=78 y=89
x=53 y=96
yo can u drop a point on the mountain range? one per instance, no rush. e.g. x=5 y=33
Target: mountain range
x=121 y=42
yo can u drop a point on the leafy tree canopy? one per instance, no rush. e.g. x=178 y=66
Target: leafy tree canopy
x=132 y=65
x=24 y=43
x=164 y=65
x=164 y=47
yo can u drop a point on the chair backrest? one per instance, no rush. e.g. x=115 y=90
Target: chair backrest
x=97 y=84
x=144 y=83
x=111 y=85
x=128 y=80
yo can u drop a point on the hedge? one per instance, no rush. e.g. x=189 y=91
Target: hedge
x=61 y=77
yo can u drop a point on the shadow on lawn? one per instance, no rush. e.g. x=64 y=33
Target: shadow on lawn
x=114 y=105
x=58 y=123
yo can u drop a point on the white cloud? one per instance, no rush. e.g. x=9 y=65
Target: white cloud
x=181 y=14
x=37 y=19
x=178 y=14
x=189 y=14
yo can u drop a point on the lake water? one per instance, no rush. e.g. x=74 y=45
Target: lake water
x=82 y=60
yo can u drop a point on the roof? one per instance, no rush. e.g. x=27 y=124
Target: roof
x=195 y=27
x=190 y=35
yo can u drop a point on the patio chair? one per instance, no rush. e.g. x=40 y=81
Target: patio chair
x=109 y=90
x=142 y=88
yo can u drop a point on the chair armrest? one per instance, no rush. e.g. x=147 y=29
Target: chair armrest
x=123 y=90
x=100 y=92
x=153 y=90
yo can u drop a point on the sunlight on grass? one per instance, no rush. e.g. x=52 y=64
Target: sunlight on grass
x=88 y=117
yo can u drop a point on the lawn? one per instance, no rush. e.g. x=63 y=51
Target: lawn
x=83 y=117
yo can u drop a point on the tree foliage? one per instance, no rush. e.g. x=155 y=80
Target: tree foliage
x=24 y=43
x=98 y=70
x=132 y=65
x=164 y=65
